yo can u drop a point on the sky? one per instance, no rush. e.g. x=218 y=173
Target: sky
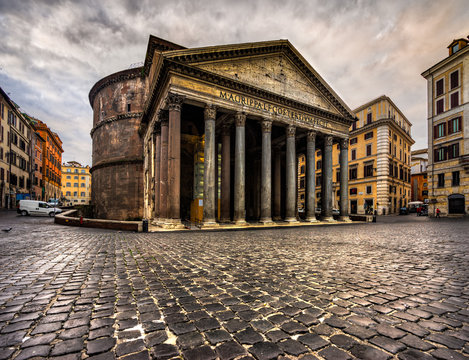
x=53 y=51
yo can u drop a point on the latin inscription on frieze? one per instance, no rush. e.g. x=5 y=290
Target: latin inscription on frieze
x=273 y=109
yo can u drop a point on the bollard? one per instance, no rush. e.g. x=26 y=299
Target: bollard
x=145 y=225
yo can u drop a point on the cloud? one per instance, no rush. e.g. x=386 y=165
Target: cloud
x=52 y=52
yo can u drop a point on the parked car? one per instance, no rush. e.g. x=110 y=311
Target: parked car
x=54 y=202
x=423 y=211
x=34 y=207
x=403 y=211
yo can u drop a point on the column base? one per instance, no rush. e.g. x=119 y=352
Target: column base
x=266 y=221
x=241 y=222
x=175 y=224
x=209 y=224
x=328 y=219
x=345 y=219
x=291 y=220
x=225 y=221
x=312 y=220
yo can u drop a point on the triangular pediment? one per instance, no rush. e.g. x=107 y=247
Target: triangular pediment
x=273 y=66
x=274 y=73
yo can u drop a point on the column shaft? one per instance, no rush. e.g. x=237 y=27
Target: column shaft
x=209 y=166
x=311 y=177
x=291 y=173
x=277 y=184
x=266 y=172
x=164 y=167
x=157 y=170
x=174 y=157
x=326 y=198
x=225 y=176
x=239 y=178
x=344 y=180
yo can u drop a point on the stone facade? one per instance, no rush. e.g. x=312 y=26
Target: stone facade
x=209 y=132
x=117 y=176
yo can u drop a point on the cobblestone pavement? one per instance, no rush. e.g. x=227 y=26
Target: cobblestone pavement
x=394 y=289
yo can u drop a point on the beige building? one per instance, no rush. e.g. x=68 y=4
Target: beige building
x=76 y=184
x=15 y=134
x=448 y=131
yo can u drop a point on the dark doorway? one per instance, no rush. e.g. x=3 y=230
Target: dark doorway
x=353 y=206
x=456 y=204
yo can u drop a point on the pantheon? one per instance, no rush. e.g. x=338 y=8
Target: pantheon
x=211 y=135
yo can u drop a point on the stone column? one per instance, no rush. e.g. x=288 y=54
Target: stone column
x=174 y=160
x=209 y=166
x=277 y=183
x=163 y=115
x=291 y=173
x=266 y=173
x=311 y=177
x=240 y=166
x=225 y=175
x=157 y=133
x=326 y=199
x=344 y=180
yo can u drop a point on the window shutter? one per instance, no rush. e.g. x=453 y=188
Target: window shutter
x=435 y=131
x=444 y=129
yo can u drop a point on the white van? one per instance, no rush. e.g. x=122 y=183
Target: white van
x=34 y=207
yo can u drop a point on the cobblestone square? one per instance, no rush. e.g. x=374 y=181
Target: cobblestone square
x=395 y=289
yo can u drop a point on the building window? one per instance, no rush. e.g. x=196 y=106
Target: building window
x=368 y=170
x=353 y=154
x=128 y=107
x=318 y=165
x=302 y=171
x=368 y=150
x=82 y=185
x=440 y=104
x=75 y=193
x=68 y=184
x=69 y=177
x=75 y=185
x=453 y=151
x=353 y=173
x=354 y=125
x=75 y=177
x=454 y=79
x=353 y=191
x=68 y=193
x=318 y=180
x=337 y=175
x=441 y=180
x=369 y=118
x=439 y=87
x=369 y=135
x=439 y=130
x=454 y=99
x=390 y=170
x=455 y=181
x=369 y=189
x=302 y=183
x=82 y=194
x=454 y=125
x=353 y=141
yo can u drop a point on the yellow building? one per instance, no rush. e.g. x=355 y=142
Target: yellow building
x=418 y=171
x=379 y=161
x=448 y=124
x=76 y=184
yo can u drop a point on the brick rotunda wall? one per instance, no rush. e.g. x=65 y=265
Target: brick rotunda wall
x=117 y=172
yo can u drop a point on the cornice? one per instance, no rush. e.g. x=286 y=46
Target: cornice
x=116 y=163
x=463 y=52
x=225 y=82
x=111 y=119
x=378 y=123
x=123 y=75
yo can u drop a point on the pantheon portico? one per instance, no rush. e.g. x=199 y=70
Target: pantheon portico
x=220 y=130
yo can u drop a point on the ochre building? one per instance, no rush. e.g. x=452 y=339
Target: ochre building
x=212 y=135
x=76 y=184
x=418 y=173
x=448 y=131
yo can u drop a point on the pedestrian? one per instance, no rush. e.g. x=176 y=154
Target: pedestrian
x=419 y=209
x=437 y=212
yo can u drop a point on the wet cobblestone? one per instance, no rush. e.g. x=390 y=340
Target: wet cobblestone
x=395 y=289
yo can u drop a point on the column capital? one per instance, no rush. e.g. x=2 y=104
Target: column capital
x=311 y=136
x=266 y=125
x=240 y=118
x=163 y=116
x=291 y=130
x=174 y=101
x=225 y=129
x=210 y=112
x=344 y=143
x=328 y=140
x=157 y=128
